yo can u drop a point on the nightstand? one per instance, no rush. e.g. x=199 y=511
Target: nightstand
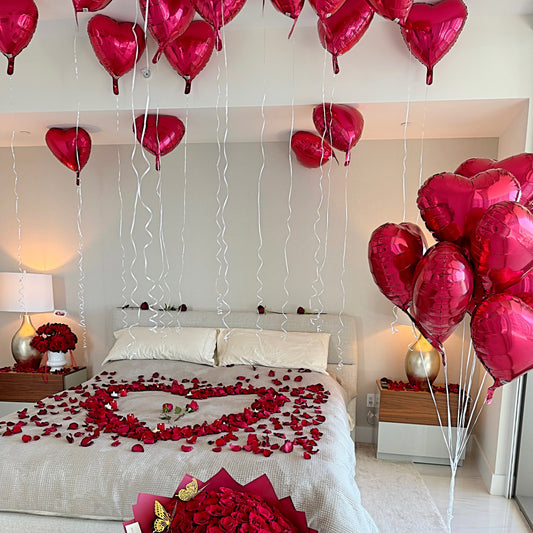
x=23 y=389
x=408 y=426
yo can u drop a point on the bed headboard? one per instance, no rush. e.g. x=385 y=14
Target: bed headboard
x=342 y=344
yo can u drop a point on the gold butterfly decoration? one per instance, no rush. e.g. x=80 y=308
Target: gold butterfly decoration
x=162 y=520
x=189 y=492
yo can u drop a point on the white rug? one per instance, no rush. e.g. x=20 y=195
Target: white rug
x=395 y=495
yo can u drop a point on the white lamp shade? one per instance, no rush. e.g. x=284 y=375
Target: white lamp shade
x=26 y=293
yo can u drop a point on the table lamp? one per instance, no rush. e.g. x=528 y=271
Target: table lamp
x=25 y=293
x=422 y=363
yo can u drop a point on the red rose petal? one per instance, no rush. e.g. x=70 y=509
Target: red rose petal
x=137 y=448
x=217 y=449
x=115 y=443
x=87 y=441
x=26 y=438
x=186 y=448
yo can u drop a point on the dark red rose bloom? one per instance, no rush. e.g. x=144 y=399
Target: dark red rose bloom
x=183 y=308
x=300 y=310
x=54 y=337
x=145 y=306
x=260 y=309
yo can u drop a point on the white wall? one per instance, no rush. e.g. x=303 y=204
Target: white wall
x=49 y=236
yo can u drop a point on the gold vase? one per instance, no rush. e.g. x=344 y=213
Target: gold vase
x=24 y=354
x=422 y=363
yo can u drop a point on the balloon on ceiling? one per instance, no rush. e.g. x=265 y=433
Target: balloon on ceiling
x=218 y=13
x=159 y=134
x=167 y=19
x=344 y=28
x=18 y=20
x=341 y=124
x=291 y=8
x=431 y=30
x=189 y=53
x=117 y=45
x=482 y=263
x=72 y=146
x=311 y=150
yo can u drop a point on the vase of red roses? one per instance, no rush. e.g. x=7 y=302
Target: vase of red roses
x=55 y=340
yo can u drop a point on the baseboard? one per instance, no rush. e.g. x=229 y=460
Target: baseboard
x=365 y=434
x=494 y=483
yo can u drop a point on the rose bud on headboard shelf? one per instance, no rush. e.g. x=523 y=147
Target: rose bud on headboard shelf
x=261 y=309
x=183 y=308
x=145 y=306
x=300 y=310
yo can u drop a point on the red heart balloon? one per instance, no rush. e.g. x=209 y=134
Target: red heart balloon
x=502 y=247
x=159 y=134
x=18 y=20
x=501 y=334
x=218 y=13
x=117 y=45
x=443 y=287
x=191 y=51
x=452 y=205
x=167 y=19
x=326 y=8
x=394 y=251
x=432 y=29
x=89 y=5
x=519 y=165
x=397 y=10
x=291 y=8
x=341 y=124
x=310 y=149
x=342 y=30
x=72 y=146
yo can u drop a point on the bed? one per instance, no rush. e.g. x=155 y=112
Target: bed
x=71 y=464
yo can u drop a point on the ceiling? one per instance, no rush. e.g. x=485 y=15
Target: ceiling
x=487 y=117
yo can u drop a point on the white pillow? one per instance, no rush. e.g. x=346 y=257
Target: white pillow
x=269 y=348
x=195 y=345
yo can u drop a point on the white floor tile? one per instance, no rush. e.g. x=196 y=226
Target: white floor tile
x=474 y=509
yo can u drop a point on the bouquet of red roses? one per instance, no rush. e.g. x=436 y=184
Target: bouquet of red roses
x=55 y=338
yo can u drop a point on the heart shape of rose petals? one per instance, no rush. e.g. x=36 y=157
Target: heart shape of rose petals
x=502 y=247
x=432 y=29
x=519 y=165
x=501 y=333
x=451 y=205
x=394 y=251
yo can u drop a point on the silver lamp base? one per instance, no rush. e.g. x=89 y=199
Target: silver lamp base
x=24 y=354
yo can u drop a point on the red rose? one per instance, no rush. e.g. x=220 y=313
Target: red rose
x=183 y=308
x=260 y=309
x=228 y=524
x=145 y=306
x=201 y=518
x=300 y=310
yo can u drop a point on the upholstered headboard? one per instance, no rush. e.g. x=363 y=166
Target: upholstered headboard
x=342 y=344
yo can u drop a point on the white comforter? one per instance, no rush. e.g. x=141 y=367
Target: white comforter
x=101 y=481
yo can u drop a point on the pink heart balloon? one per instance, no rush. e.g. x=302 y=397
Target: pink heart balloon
x=72 y=146
x=310 y=149
x=342 y=30
x=501 y=334
x=452 y=205
x=159 y=134
x=191 y=51
x=443 y=287
x=432 y=29
x=218 y=13
x=291 y=8
x=18 y=20
x=396 y=10
x=502 y=247
x=341 y=124
x=519 y=165
x=167 y=19
x=326 y=8
x=394 y=251
x=117 y=45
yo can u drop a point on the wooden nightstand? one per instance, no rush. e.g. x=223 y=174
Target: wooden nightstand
x=21 y=389
x=408 y=426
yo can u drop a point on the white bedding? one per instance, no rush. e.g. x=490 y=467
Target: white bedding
x=53 y=476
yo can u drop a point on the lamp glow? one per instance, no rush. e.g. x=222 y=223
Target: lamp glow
x=25 y=293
